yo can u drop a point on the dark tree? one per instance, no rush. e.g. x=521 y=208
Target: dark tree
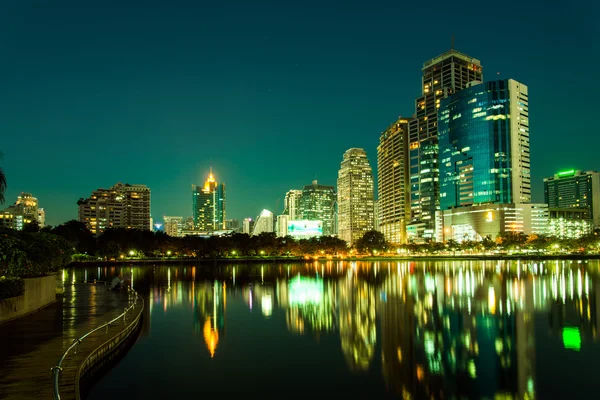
x=371 y=240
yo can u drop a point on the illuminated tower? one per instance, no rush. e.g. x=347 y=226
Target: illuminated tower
x=393 y=182
x=318 y=204
x=264 y=223
x=209 y=205
x=442 y=76
x=355 y=196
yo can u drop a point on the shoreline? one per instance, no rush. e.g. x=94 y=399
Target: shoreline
x=230 y=260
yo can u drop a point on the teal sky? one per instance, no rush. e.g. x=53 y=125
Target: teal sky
x=268 y=93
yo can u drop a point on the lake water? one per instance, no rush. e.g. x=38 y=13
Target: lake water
x=411 y=330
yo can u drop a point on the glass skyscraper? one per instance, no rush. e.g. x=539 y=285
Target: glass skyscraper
x=317 y=203
x=209 y=205
x=443 y=76
x=484 y=145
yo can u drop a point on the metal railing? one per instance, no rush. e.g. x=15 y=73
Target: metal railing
x=58 y=367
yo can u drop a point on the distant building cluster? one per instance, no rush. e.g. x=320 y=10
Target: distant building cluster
x=458 y=169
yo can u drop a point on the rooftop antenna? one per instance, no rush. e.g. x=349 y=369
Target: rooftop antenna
x=452 y=42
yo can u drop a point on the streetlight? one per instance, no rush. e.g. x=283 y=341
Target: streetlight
x=169 y=252
x=131 y=252
x=262 y=252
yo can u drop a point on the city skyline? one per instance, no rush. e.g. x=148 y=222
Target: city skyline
x=178 y=83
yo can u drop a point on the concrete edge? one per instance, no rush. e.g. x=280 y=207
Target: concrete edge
x=130 y=328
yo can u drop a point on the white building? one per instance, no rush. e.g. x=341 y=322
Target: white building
x=264 y=223
x=173 y=226
x=282 y=225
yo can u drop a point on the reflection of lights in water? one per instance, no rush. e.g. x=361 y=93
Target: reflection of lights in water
x=64 y=276
x=303 y=290
x=472 y=369
x=587 y=292
x=73 y=281
x=262 y=274
x=571 y=338
x=233 y=276
x=85 y=274
x=579 y=283
x=267 y=305
x=211 y=337
x=250 y=298
x=98 y=276
x=168 y=278
x=132 y=278
x=492 y=300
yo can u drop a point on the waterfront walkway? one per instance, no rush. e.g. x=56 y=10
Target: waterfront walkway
x=30 y=346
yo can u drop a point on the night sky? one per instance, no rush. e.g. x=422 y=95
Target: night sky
x=268 y=93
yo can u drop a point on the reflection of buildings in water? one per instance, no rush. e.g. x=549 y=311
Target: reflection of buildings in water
x=261 y=296
x=396 y=312
x=209 y=312
x=357 y=322
x=311 y=305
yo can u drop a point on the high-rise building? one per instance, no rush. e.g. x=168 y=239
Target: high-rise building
x=264 y=223
x=120 y=206
x=173 y=226
x=484 y=145
x=317 y=203
x=282 y=225
x=443 y=76
x=24 y=211
x=291 y=204
x=355 y=196
x=233 y=225
x=209 y=205
x=393 y=182
x=248 y=226
x=574 y=189
x=569 y=222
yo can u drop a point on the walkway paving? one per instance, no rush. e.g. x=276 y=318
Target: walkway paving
x=30 y=346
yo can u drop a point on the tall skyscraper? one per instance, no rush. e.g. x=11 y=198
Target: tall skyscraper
x=443 y=76
x=574 y=189
x=393 y=182
x=317 y=203
x=291 y=204
x=282 y=225
x=484 y=145
x=209 y=205
x=120 y=206
x=485 y=186
x=173 y=226
x=355 y=196
x=264 y=223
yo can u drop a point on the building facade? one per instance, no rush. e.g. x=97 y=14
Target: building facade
x=569 y=222
x=209 y=205
x=393 y=184
x=317 y=203
x=24 y=211
x=173 y=226
x=475 y=222
x=282 y=225
x=442 y=76
x=120 y=206
x=355 y=196
x=484 y=145
x=291 y=204
x=233 y=225
x=264 y=223
x=575 y=189
x=248 y=226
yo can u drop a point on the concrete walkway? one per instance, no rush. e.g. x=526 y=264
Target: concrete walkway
x=30 y=346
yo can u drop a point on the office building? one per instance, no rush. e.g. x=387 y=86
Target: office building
x=173 y=226
x=317 y=203
x=475 y=222
x=233 y=225
x=248 y=226
x=24 y=211
x=484 y=145
x=120 y=206
x=41 y=217
x=575 y=189
x=209 y=205
x=291 y=204
x=355 y=196
x=282 y=225
x=393 y=182
x=264 y=223
x=442 y=76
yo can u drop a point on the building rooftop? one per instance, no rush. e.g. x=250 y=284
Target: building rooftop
x=448 y=54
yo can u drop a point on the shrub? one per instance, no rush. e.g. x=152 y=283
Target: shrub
x=11 y=287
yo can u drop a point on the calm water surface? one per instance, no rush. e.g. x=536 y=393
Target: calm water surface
x=452 y=330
